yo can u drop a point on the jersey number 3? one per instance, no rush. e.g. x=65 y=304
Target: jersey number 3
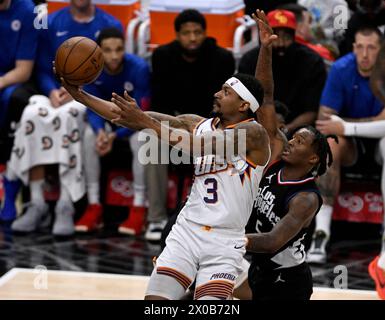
x=211 y=190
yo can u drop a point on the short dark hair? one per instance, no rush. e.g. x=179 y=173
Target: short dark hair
x=295 y=8
x=367 y=30
x=321 y=147
x=254 y=86
x=109 y=33
x=189 y=15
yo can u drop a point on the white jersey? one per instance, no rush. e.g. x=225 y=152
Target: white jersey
x=222 y=194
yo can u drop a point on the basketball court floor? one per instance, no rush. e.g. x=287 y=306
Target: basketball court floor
x=110 y=266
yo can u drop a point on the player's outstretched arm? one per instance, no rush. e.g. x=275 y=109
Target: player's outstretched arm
x=251 y=135
x=302 y=209
x=109 y=111
x=264 y=74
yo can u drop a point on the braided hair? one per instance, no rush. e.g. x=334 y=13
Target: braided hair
x=322 y=149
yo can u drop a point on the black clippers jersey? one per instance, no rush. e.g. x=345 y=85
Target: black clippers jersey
x=270 y=206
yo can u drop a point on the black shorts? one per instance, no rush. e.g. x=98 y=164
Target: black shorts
x=294 y=283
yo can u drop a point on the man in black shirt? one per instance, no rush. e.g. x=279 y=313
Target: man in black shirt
x=299 y=73
x=288 y=198
x=193 y=66
x=186 y=74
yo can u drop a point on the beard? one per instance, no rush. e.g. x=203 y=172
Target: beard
x=279 y=52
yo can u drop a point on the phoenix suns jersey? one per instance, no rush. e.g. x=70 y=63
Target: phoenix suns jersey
x=223 y=192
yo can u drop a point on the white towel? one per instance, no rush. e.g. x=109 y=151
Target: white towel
x=48 y=135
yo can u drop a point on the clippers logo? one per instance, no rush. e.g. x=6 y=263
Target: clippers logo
x=73 y=162
x=29 y=127
x=73 y=112
x=265 y=203
x=15 y=25
x=47 y=143
x=279 y=16
x=122 y=186
x=19 y=152
x=43 y=112
x=75 y=136
x=65 y=141
x=56 y=123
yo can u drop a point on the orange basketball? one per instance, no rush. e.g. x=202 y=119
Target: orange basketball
x=79 y=60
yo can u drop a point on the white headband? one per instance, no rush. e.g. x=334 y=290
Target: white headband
x=243 y=92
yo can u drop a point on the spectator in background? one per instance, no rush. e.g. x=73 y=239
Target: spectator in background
x=121 y=72
x=304 y=35
x=81 y=18
x=18 y=38
x=373 y=129
x=324 y=15
x=194 y=66
x=370 y=13
x=294 y=67
x=347 y=94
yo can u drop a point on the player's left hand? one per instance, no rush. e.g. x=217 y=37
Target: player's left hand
x=266 y=33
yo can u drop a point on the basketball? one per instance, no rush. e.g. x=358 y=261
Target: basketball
x=79 y=60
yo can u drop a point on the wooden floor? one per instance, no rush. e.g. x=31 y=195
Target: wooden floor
x=41 y=284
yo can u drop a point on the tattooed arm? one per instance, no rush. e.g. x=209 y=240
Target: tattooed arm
x=253 y=134
x=264 y=73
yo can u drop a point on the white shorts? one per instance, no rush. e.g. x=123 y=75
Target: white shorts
x=210 y=256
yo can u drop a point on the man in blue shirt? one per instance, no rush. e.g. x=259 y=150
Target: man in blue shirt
x=121 y=72
x=347 y=94
x=81 y=18
x=18 y=39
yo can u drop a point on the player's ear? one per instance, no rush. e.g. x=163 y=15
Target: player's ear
x=244 y=106
x=314 y=159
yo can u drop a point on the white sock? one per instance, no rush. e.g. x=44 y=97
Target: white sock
x=93 y=192
x=64 y=194
x=91 y=166
x=324 y=219
x=139 y=196
x=36 y=189
x=381 y=260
